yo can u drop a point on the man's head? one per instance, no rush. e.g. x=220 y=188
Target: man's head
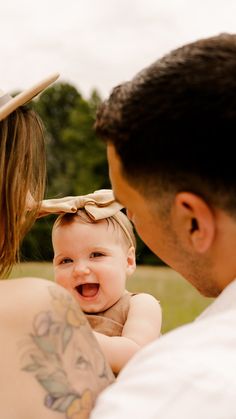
x=170 y=134
x=173 y=126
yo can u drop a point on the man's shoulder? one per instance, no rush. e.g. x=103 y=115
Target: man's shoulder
x=184 y=374
x=195 y=343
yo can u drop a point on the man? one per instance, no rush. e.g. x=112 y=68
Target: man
x=170 y=135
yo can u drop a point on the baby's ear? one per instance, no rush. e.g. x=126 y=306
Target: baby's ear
x=131 y=261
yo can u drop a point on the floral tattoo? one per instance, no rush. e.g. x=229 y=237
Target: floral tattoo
x=67 y=364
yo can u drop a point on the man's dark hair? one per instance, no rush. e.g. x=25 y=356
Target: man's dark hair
x=174 y=125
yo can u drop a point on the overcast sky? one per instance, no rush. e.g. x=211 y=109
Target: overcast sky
x=99 y=43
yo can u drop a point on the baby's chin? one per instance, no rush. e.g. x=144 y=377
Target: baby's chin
x=98 y=307
x=94 y=307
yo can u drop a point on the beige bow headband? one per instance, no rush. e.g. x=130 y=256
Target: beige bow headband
x=98 y=205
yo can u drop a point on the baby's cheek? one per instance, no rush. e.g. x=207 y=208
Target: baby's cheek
x=62 y=280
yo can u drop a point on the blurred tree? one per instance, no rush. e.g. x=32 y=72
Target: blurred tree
x=76 y=158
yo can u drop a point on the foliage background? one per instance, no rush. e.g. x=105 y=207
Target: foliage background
x=76 y=161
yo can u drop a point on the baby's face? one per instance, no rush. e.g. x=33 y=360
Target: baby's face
x=92 y=263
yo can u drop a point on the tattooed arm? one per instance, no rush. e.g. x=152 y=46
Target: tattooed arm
x=51 y=365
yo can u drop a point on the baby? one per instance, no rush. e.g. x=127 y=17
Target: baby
x=92 y=259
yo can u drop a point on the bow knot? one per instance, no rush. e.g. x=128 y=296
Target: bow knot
x=98 y=205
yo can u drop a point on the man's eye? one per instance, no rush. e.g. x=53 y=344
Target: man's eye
x=96 y=255
x=65 y=260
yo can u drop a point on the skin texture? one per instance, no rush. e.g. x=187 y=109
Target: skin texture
x=53 y=366
x=95 y=253
x=191 y=237
x=172 y=126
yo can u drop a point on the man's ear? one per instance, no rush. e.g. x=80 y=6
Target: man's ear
x=194 y=221
x=131 y=261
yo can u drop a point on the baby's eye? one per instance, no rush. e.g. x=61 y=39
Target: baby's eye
x=97 y=255
x=65 y=260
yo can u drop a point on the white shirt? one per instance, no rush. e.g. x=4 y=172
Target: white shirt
x=189 y=373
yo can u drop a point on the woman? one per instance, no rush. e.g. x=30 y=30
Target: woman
x=43 y=335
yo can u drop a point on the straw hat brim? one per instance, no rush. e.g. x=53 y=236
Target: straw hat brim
x=26 y=96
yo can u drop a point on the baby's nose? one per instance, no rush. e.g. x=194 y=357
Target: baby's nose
x=81 y=268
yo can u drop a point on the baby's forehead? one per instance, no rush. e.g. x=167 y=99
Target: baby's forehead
x=109 y=225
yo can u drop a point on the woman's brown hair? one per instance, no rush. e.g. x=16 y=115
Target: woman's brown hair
x=22 y=171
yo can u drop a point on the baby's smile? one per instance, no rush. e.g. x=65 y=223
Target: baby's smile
x=88 y=290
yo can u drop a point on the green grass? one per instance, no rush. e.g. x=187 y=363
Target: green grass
x=180 y=302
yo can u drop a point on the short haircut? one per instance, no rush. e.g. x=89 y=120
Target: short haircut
x=174 y=125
